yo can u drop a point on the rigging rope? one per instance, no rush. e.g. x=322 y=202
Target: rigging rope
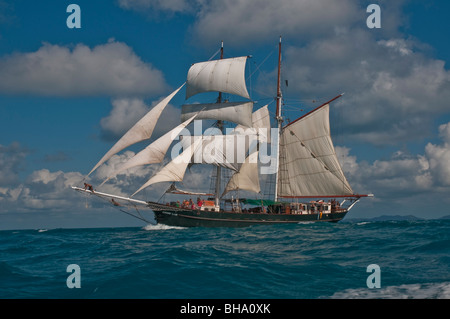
x=126 y=212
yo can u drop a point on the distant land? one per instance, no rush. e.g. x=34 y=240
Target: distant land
x=390 y=217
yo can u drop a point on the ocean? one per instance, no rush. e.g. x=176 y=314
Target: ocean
x=301 y=261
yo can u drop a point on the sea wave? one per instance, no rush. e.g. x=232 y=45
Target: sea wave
x=161 y=227
x=408 y=291
x=318 y=260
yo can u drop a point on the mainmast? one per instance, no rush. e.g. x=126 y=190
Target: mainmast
x=220 y=126
x=279 y=119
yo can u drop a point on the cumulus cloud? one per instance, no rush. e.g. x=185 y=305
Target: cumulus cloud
x=392 y=90
x=438 y=157
x=403 y=175
x=107 y=69
x=50 y=190
x=41 y=190
x=124 y=114
x=127 y=111
x=243 y=21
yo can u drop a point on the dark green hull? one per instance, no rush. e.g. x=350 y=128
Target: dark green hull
x=173 y=216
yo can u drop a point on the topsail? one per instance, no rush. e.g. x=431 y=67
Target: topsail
x=225 y=75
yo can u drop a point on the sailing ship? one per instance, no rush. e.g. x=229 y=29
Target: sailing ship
x=309 y=183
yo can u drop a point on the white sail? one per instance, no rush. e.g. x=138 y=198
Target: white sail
x=260 y=124
x=247 y=178
x=236 y=112
x=308 y=162
x=225 y=75
x=155 y=152
x=142 y=130
x=228 y=151
x=174 y=171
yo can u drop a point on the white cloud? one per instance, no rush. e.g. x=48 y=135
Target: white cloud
x=127 y=111
x=107 y=69
x=392 y=87
x=403 y=175
x=241 y=22
x=244 y=21
x=438 y=157
x=392 y=90
x=51 y=191
x=124 y=114
x=42 y=190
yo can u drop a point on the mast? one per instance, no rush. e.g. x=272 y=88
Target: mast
x=218 y=169
x=279 y=119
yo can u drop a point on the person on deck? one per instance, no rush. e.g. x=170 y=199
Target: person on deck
x=88 y=186
x=114 y=202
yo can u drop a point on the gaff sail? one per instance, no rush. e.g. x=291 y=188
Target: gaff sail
x=308 y=165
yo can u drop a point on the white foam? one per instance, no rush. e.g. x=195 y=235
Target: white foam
x=411 y=291
x=161 y=227
x=42 y=230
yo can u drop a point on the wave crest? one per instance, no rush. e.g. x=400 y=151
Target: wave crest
x=161 y=227
x=411 y=291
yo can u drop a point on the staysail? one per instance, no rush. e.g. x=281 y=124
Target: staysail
x=155 y=152
x=142 y=130
x=247 y=178
x=175 y=170
x=308 y=164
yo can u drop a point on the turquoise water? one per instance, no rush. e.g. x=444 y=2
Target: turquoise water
x=314 y=261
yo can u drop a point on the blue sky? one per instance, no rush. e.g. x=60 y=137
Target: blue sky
x=61 y=91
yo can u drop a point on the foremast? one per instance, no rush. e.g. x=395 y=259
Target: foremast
x=219 y=168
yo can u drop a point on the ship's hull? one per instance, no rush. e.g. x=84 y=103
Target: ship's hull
x=173 y=216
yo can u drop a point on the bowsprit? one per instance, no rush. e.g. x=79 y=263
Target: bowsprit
x=247 y=308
